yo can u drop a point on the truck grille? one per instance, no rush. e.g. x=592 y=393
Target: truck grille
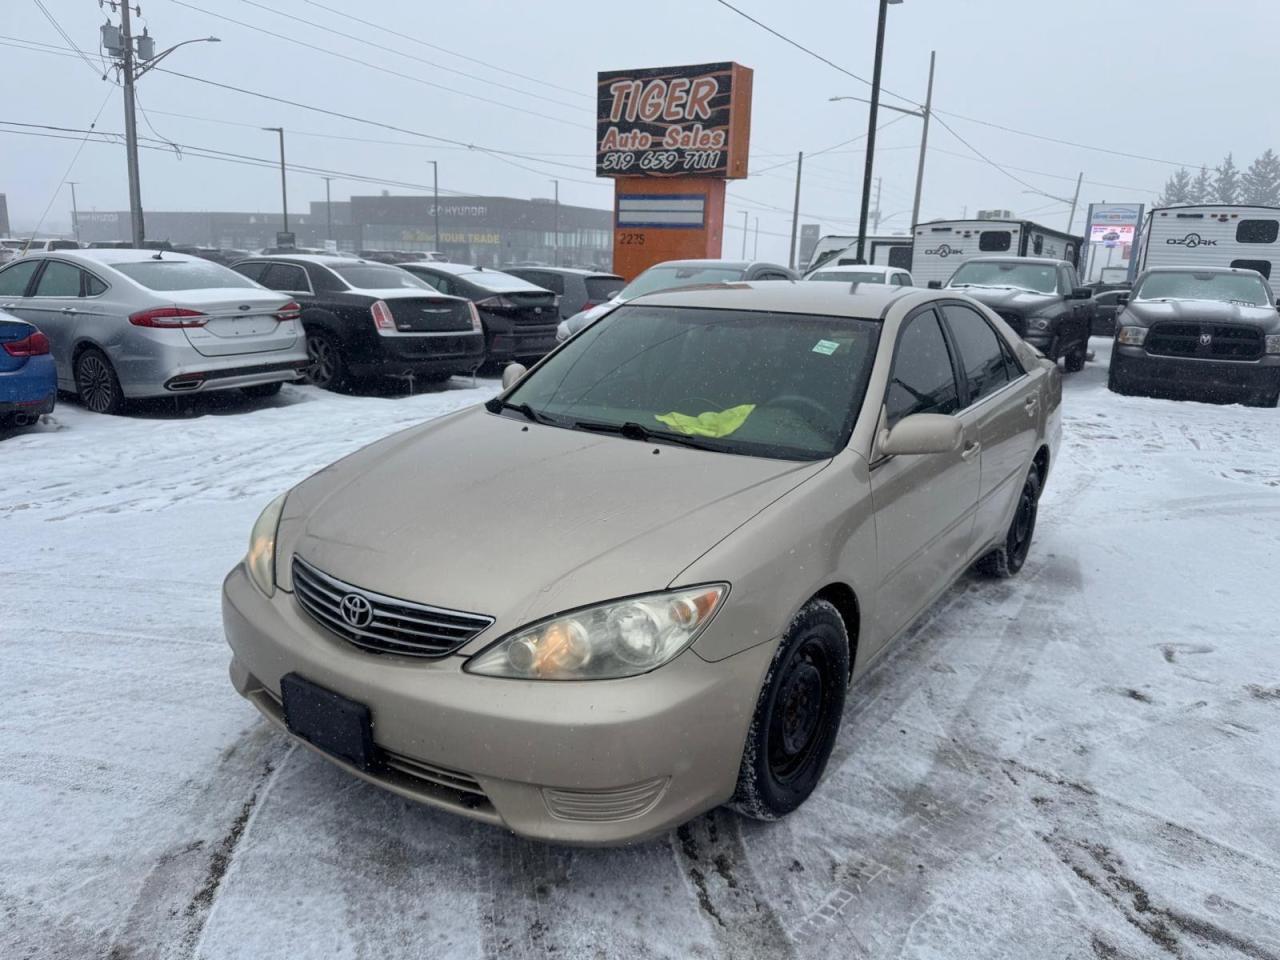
x=1016 y=320
x=391 y=625
x=1205 y=341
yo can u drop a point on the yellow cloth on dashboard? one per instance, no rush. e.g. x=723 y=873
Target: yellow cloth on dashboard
x=709 y=424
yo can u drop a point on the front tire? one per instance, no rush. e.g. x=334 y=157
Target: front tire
x=1007 y=559
x=797 y=716
x=97 y=384
x=326 y=367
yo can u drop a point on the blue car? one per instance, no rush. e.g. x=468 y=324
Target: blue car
x=28 y=378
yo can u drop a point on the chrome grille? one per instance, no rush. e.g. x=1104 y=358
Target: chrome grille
x=396 y=626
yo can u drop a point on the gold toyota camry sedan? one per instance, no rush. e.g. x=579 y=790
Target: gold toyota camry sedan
x=638 y=583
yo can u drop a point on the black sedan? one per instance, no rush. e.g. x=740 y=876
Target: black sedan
x=367 y=319
x=519 y=319
x=578 y=289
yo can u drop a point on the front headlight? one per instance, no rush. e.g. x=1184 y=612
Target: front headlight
x=618 y=639
x=1273 y=343
x=1038 y=323
x=1131 y=336
x=261 y=559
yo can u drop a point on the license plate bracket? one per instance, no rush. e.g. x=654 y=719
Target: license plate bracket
x=334 y=723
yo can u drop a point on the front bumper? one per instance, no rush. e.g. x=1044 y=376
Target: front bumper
x=421 y=354
x=1137 y=369
x=593 y=762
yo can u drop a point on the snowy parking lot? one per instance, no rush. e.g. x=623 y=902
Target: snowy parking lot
x=1078 y=762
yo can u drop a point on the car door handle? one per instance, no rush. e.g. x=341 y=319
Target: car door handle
x=10 y=306
x=971 y=450
x=1030 y=403
x=70 y=310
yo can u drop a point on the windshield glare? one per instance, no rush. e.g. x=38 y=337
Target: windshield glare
x=1036 y=277
x=849 y=276
x=1223 y=287
x=759 y=384
x=671 y=277
x=371 y=276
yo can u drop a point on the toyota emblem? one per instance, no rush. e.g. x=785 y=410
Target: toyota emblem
x=356 y=610
x=1206 y=339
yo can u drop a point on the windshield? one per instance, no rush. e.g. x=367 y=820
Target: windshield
x=1225 y=287
x=181 y=274
x=496 y=280
x=849 y=276
x=758 y=384
x=1035 y=277
x=670 y=277
x=372 y=276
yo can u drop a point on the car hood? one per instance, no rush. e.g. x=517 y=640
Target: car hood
x=493 y=515
x=583 y=317
x=1021 y=302
x=1147 y=312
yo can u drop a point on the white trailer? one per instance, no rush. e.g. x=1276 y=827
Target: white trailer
x=942 y=245
x=842 y=250
x=1214 y=235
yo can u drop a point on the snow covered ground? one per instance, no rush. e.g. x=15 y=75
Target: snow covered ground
x=1079 y=762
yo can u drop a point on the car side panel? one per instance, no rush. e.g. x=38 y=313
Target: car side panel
x=1009 y=426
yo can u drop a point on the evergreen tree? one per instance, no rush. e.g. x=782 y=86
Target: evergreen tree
x=1226 y=183
x=1260 y=184
x=1201 y=190
x=1177 y=189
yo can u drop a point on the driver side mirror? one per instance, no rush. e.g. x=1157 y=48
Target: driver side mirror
x=922 y=433
x=512 y=373
x=1081 y=293
x=1122 y=299
x=935 y=284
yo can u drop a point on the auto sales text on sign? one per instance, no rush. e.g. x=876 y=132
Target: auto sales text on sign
x=674 y=121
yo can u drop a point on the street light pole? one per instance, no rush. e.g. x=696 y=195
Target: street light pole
x=869 y=166
x=744 y=234
x=795 y=212
x=75 y=211
x=328 y=211
x=435 y=199
x=924 y=142
x=1075 y=200
x=131 y=131
x=284 y=188
x=755 y=251
x=556 y=226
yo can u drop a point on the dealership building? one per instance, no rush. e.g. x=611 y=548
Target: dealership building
x=490 y=231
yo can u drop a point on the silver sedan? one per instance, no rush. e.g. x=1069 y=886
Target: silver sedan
x=126 y=324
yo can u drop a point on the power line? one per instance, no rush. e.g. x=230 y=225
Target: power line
x=70 y=166
x=67 y=37
x=374 y=66
x=1012 y=176
x=347 y=15
x=409 y=56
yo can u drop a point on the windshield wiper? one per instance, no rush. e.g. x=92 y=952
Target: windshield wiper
x=636 y=431
x=497 y=405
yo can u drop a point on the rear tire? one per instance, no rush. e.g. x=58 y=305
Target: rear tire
x=1007 y=559
x=797 y=716
x=262 y=390
x=326 y=367
x=97 y=384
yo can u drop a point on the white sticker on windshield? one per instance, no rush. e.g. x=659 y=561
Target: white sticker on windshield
x=825 y=347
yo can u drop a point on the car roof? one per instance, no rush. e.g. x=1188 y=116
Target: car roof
x=1201 y=269
x=1010 y=259
x=113 y=255
x=574 y=271
x=323 y=259
x=737 y=264
x=858 y=268
x=865 y=301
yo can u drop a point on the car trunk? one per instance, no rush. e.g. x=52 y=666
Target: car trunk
x=531 y=307
x=238 y=324
x=414 y=313
x=11 y=330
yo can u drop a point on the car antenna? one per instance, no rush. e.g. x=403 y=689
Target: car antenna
x=157 y=255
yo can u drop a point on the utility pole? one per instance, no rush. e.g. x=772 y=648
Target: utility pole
x=328 y=211
x=1075 y=199
x=556 y=221
x=284 y=189
x=131 y=131
x=755 y=252
x=879 y=185
x=795 y=212
x=435 y=199
x=869 y=166
x=744 y=234
x=75 y=211
x=924 y=143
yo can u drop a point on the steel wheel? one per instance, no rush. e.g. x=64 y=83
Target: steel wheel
x=800 y=712
x=1008 y=559
x=96 y=381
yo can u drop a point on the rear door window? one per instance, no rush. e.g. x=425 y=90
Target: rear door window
x=285 y=276
x=253 y=269
x=14 y=279
x=979 y=347
x=93 y=287
x=58 y=280
x=994 y=241
x=1257 y=231
x=923 y=379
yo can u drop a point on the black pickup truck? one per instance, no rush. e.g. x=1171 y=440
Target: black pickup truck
x=1040 y=299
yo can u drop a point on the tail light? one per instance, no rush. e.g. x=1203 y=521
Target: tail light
x=475 y=318
x=496 y=303
x=382 y=318
x=290 y=311
x=165 y=318
x=35 y=345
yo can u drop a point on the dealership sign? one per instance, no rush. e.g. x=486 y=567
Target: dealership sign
x=1114 y=224
x=674 y=121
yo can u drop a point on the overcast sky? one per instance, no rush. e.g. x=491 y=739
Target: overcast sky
x=1177 y=80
